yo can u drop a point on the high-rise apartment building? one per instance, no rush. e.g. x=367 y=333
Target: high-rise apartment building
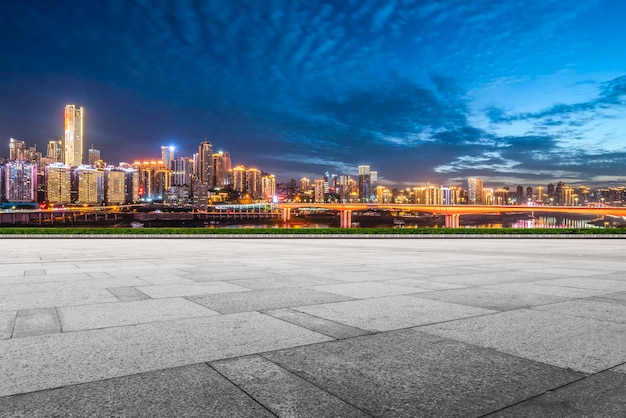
x=167 y=156
x=114 y=186
x=88 y=185
x=540 y=197
x=55 y=150
x=268 y=187
x=475 y=191
x=318 y=191
x=131 y=185
x=94 y=156
x=239 y=179
x=305 y=184
x=74 y=139
x=254 y=183
x=219 y=172
x=17 y=150
x=20 y=181
x=204 y=170
x=181 y=171
x=364 y=183
x=58 y=183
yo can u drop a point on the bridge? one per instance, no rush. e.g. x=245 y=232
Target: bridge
x=452 y=213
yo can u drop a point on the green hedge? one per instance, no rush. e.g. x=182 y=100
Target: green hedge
x=315 y=231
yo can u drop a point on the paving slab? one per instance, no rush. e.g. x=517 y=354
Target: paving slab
x=33 y=322
x=7 y=322
x=275 y=282
x=282 y=392
x=424 y=284
x=52 y=299
x=189 y=289
x=549 y=290
x=585 y=308
x=257 y=300
x=163 y=277
x=68 y=286
x=411 y=374
x=190 y=391
x=39 y=272
x=600 y=395
x=317 y=324
x=485 y=278
x=391 y=312
x=493 y=299
x=127 y=293
x=8 y=280
x=582 y=344
x=57 y=360
x=588 y=283
x=368 y=289
x=102 y=315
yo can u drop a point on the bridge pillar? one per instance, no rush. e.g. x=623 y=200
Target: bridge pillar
x=345 y=219
x=286 y=214
x=452 y=220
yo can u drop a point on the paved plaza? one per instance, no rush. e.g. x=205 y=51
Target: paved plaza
x=312 y=327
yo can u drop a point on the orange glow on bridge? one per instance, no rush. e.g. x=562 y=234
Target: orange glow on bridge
x=460 y=209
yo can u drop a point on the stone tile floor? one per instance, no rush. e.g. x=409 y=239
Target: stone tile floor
x=312 y=327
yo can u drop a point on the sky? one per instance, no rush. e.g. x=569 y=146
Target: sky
x=425 y=92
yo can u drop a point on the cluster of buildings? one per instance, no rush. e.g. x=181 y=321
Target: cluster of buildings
x=63 y=176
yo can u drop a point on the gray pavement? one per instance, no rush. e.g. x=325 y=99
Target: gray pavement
x=312 y=327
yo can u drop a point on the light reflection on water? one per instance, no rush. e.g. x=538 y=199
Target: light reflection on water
x=541 y=222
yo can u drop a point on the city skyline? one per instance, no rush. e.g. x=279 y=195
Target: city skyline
x=424 y=91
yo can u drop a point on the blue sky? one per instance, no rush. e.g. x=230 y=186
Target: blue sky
x=514 y=92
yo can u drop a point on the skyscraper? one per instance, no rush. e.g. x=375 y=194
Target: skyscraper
x=17 y=150
x=254 y=183
x=167 y=156
x=55 y=150
x=94 y=156
x=205 y=163
x=74 y=136
x=364 y=182
x=475 y=191
x=20 y=181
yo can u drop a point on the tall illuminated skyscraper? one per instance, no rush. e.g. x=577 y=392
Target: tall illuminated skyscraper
x=167 y=156
x=364 y=182
x=74 y=136
x=205 y=163
x=475 y=191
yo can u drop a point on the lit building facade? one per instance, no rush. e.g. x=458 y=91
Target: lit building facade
x=114 y=186
x=55 y=150
x=74 y=138
x=94 y=156
x=204 y=170
x=181 y=171
x=305 y=184
x=318 y=191
x=475 y=191
x=239 y=179
x=58 y=183
x=254 y=183
x=268 y=187
x=364 y=183
x=88 y=185
x=19 y=181
x=17 y=150
x=167 y=156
